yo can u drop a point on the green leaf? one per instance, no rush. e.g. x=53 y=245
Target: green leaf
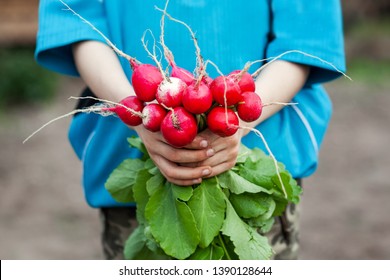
x=149 y=164
x=135 y=243
x=155 y=183
x=208 y=207
x=238 y=184
x=152 y=244
x=280 y=206
x=266 y=226
x=260 y=168
x=140 y=193
x=136 y=142
x=243 y=154
x=172 y=223
x=248 y=243
x=251 y=205
x=122 y=179
x=136 y=249
x=212 y=252
x=291 y=187
x=182 y=193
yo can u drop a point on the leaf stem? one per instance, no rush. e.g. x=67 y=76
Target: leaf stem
x=224 y=247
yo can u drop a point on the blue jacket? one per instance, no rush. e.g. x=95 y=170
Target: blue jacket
x=229 y=33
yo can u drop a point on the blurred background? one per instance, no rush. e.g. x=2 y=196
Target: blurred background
x=345 y=206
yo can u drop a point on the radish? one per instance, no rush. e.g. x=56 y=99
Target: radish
x=128 y=110
x=179 y=127
x=170 y=92
x=197 y=99
x=207 y=80
x=153 y=115
x=244 y=80
x=145 y=80
x=183 y=74
x=250 y=108
x=225 y=90
x=222 y=121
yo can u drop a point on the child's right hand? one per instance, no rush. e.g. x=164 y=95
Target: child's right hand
x=171 y=161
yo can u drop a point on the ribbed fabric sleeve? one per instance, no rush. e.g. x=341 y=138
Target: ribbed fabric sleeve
x=313 y=27
x=58 y=28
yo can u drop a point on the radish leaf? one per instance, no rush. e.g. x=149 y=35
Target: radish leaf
x=248 y=243
x=121 y=180
x=212 y=252
x=172 y=223
x=251 y=205
x=238 y=184
x=208 y=207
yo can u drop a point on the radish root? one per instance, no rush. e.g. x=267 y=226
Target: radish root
x=258 y=133
x=98 y=109
x=272 y=59
x=167 y=53
x=200 y=68
x=153 y=54
x=93 y=109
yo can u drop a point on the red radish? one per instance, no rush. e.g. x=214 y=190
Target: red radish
x=183 y=74
x=197 y=99
x=130 y=112
x=245 y=80
x=153 y=115
x=179 y=127
x=170 y=92
x=216 y=121
x=250 y=108
x=145 y=79
x=222 y=87
x=207 y=80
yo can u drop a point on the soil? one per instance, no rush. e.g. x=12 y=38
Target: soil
x=43 y=214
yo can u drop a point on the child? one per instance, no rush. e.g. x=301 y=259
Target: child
x=230 y=34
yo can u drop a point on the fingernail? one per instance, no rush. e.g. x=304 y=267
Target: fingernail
x=210 y=152
x=196 y=181
x=204 y=143
x=206 y=172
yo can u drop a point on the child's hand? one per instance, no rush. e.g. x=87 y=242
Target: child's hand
x=225 y=149
x=176 y=164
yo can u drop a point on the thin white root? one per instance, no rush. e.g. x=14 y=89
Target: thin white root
x=279 y=103
x=153 y=54
x=272 y=59
x=98 y=99
x=108 y=102
x=244 y=70
x=167 y=52
x=199 y=59
x=116 y=50
x=93 y=109
x=258 y=133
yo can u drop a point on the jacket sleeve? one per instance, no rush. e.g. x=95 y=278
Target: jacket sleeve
x=312 y=27
x=58 y=28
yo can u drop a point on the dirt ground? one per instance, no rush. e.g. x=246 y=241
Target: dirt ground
x=344 y=208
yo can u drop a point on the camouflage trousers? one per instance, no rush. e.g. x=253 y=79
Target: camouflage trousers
x=118 y=223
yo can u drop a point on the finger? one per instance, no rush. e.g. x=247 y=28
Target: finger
x=220 y=168
x=181 y=175
x=223 y=153
x=198 y=143
x=185 y=155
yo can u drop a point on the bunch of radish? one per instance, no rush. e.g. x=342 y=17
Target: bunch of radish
x=177 y=105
